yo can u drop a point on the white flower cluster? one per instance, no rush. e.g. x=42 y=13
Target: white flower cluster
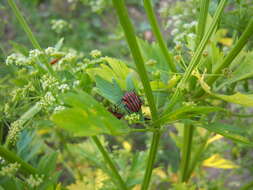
x=69 y=57
x=10 y=169
x=51 y=51
x=35 y=53
x=47 y=100
x=14 y=131
x=34 y=180
x=181 y=31
x=64 y=87
x=95 y=53
x=17 y=59
x=133 y=118
x=59 y=108
x=76 y=83
x=48 y=82
x=60 y=26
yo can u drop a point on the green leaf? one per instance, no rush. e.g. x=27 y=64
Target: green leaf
x=110 y=91
x=115 y=69
x=229 y=131
x=187 y=112
x=130 y=85
x=59 y=44
x=87 y=117
x=238 y=98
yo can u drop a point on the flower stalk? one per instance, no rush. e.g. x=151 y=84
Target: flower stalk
x=139 y=62
x=121 y=184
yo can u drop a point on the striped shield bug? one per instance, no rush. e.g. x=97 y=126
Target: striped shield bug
x=131 y=101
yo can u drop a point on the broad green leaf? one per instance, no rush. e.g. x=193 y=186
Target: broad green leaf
x=115 y=69
x=110 y=91
x=87 y=117
x=130 y=82
x=216 y=161
x=238 y=98
x=187 y=112
x=229 y=131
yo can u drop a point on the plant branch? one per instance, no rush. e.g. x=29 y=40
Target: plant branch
x=195 y=61
x=232 y=54
x=158 y=35
x=108 y=160
x=131 y=39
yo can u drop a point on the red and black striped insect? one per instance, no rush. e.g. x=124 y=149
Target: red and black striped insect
x=54 y=61
x=131 y=101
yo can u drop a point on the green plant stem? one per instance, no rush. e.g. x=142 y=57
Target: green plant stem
x=134 y=48
x=151 y=160
x=248 y=32
x=204 y=5
x=12 y=157
x=108 y=160
x=29 y=33
x=195 y=61
x=196 y=156
x=136 y=53
x=186 y=152
x=24 y=24
x=158 y=35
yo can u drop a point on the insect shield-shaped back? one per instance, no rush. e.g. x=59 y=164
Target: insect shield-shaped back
x=131 y=101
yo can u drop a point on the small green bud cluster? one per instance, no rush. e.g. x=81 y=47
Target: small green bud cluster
x=151 y=62
x=34 y=180
x=132 y=118
x=95 y=53
x=14 y=131
x=48 y=82
x=47 y=100
x=156 y=74
x=10 y=169
x=17 y=59
x=60 y=26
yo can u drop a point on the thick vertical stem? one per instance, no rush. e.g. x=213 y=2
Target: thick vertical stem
x=131 y=39
x=108 y=160
x=155 y=28
x=186 y=151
